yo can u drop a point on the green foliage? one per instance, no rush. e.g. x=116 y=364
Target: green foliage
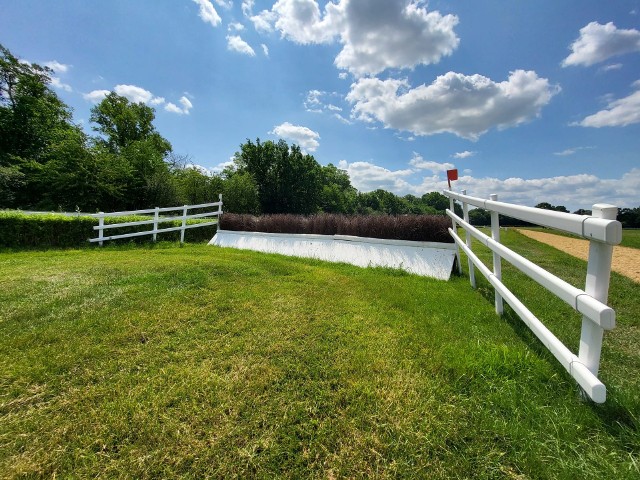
x=556 y=208
x=287 y=180
x=629 y=217
x=19 y=230
x=240 y=194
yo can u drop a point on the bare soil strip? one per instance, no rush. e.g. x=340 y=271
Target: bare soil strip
x=626 y=261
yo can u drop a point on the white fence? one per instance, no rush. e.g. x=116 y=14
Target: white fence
x=156 y=221
x=601 y=229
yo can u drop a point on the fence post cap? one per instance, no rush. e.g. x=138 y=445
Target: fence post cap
x=604 y=210
x=493 y=196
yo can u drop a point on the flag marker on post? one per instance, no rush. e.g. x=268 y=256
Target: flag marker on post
x=452 y=175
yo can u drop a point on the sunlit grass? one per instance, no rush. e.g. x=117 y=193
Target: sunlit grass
x=163 y=361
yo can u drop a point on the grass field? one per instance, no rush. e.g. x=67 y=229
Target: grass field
x=161 y=361
x=630 y=237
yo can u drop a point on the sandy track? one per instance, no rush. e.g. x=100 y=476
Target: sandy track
x=625 y=260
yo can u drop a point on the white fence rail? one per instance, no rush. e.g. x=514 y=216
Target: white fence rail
x=602 y=231
x=156 y=221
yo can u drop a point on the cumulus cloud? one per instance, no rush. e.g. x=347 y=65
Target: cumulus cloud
x=265 y=49
x=208 y=13
x=571 y=151
x=96 y=96
x=184 y=109
x=421 y=164
x=318 y=101
x=573 y=191
x=303 y=136
x=598 y=43
x=465 y=154
x=619 y=113
x=467 y=106
x=375 y=34
x=237 y=44
x=137 y=94
x=57 y=83
x=57 y=66
x=247 y=7
x=235 y=26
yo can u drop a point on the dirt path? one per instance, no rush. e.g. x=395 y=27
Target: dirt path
x=625 y=260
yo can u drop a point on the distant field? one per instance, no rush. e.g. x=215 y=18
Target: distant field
x=630 y=237
x=162 y=361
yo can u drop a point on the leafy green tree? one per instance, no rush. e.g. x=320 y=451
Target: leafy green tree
x=287 y=180
x=436 y=200
x=240 y=194
x=555 y=208
x=337 y=195
x=479 y=216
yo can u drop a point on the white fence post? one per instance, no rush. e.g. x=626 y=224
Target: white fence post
x=100 y=228
x=155 y=222
x=465 y=216
x=453 y=222
x=497 y=261
x=597 y=285
x=184 y=223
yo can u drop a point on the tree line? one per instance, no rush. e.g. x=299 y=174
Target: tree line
x=47 y=162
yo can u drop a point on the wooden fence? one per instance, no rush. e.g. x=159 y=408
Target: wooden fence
x=156 y=221
x=601 y=229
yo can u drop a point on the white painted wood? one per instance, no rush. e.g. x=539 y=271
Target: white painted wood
x=587 y=380
x=465 y=214
x=156 y=221
x=434 y=260
x=497 y=263
x=597 y=286
x=453 y=223
x=590 y=227
x=579 y=300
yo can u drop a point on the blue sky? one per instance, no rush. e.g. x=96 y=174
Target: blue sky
x=532 y=100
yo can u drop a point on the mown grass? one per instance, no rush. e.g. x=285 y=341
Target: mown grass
x=162 y=361
x=630 y=237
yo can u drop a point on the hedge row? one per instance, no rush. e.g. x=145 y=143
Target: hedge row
x=424 y=228
x=53 y=230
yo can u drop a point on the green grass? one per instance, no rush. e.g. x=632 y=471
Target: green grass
x=160 y=361
x=630 y=237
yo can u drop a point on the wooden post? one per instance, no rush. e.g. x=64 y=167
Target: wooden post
x=597 y=285
x=184 y=223
x=497 y=261
x=465 y=217
x=453 y=222
x=155 y=223
x=100 y=227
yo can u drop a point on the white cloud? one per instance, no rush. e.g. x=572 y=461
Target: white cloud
x=466 y=106
x=137 y=94
x=184 y=110
x=57 y=66
x=613 y=66
x=208 y=13
x=265 y=49
x=573 y=191
x=225 y=4
x=342 y=119
x=57 y=83
x=343 y=75
x=247 y=7
x=366 y=177
x=318 y=101
x=421 y=164
x=571 y=151
x=303 y=136
x=598 y=43
x=237 y=44
x=235 y=26
x=375 y=34
x=619 y=113
x=263 y=22
x=465 y=154
x=96 y=96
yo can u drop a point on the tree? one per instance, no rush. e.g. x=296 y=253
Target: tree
x=337 y=195
x=479 y=216
x=548 y=206
x=436 y=200
x=240 y=194
x=287 y=180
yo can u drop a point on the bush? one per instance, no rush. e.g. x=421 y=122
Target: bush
x=54 y=230
x=423 y=228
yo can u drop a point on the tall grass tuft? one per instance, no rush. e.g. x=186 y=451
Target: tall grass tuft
x=423 y=228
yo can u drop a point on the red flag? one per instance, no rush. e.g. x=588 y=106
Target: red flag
x=452 y=175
